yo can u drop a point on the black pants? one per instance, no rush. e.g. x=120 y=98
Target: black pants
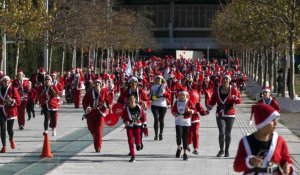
x=159 y=116
x=182 y=134
x=47 y=115
x=10 y=124
x=30 y=109
x=225 y=126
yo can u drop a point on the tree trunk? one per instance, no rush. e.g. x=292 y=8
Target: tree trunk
x=265 y=60
x=292 y=67
x=17 y=56
x=63 y=60
x=50 y=58
x=285 y=73
x=256 y=60
x=81 y=57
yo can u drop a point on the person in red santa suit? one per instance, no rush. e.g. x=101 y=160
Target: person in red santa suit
x=193 y=136
x=9 y=101
x=225 y=96
x=174 y=87
x=32 y=94
x=142 y=97
x=264 y=151
x=89 y=77
x=49 y=104
x=96 y=103
x=190 y=84
x=134 y=119
x=182 y=110
x=76 y=87
x=21 y=83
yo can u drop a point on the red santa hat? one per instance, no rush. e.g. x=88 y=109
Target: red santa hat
x=159 y=76
x=184 y=90
x=5 y=77
x=264 y=114
x=20 y=71
x=266 y=89
x=227 y=75
x=41 y=70
x=98 y=80
x=133 y=78
x=53 y=73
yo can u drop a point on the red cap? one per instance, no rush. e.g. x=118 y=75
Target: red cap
x=264 y=114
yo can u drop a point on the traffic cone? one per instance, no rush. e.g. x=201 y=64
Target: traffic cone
x=46 y=148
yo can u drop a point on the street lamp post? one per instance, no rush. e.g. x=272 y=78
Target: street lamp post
x=4 y=56
x=46 y=49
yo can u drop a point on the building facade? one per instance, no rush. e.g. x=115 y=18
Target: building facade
x=179 y=24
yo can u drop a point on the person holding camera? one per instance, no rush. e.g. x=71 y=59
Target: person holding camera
x=160 y=95
x=225 y=96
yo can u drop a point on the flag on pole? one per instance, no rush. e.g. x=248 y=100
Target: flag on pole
x=128 y=70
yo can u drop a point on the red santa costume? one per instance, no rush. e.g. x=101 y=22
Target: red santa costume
x=9 y=101
x=142 y=97
x=89 y=77
x=21 y=83
x=32 y=94
x=193 y=137
x=134 y=119
x=225 y=97
x=271 y=101
x=182 y=110
x=174 y=87
x=273 y=152
x=76 y=87
x=48 y=95
x=93 y=104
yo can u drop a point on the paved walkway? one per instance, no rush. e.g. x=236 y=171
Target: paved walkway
x=74 y=152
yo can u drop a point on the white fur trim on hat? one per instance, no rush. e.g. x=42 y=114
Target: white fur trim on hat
x=5 y=78
x=183 y=92
x=271 y=117
x=227 y=76
x=132 y=79
x=159 y=76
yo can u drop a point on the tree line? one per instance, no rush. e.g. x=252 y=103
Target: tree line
x=264 y=34
x=71 y=30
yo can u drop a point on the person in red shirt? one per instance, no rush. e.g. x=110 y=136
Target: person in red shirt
x=96 y=103
x=134 y=119
x=264 y=151
x=48 y=95
x=32 y=94
x=9 y=101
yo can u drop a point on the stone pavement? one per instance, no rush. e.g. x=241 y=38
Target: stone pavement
x=74 y=152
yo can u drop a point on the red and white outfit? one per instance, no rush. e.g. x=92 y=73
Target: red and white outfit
x=228 y=110
x=76 y=89
x=134 y=118
x=10 y=111
x=142 y=96
x=193 y=136
x=271 y=102
x=22 y=86
x=95 y=118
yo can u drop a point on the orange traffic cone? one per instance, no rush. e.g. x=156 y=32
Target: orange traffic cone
x=46 y=148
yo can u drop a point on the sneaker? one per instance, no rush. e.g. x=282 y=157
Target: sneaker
x=45 y=132
x=142 y=145
x=160 y=137
x=195 y=152
x=3 y=150
x=21 y=127
x=226 y=154
x=185 y=157
x=97 y=150
x=178 y=152
x=132 y=159
x=29 y=118
x=53 y=131
x=221 y=153
x=12 y=144
x=188 y=149
x=138 y=147
x=156 y=138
